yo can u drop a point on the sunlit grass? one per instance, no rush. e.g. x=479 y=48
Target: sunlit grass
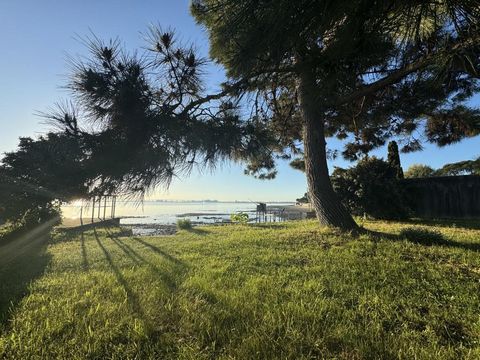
x=291 y=290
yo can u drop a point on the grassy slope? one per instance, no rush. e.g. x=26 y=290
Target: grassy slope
x=290 y=290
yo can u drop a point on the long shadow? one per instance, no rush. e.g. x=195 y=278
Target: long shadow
x=22 y=260
x=67 y=235
x=172 y=282
x=159 y=251
x=164 y=276
x=468 y=224
x=167 y=279
x=127 y=250
x=197 y=231
x=423 y=237
x=118 y=232
x=132 y=298
x=85 y=264
x=268 y=225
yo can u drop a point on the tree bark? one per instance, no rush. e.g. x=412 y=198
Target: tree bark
x=327 y=205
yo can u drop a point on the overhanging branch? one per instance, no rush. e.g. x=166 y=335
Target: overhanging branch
x=231 y=88
x=399 y=74
x=384 y=82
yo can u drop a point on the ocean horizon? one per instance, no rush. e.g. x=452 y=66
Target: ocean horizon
x=167 y=212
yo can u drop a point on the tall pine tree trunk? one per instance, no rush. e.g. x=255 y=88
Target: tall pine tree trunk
x=328 y=207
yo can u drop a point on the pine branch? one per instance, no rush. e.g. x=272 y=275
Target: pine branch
x=236 y=87
x=399 y=74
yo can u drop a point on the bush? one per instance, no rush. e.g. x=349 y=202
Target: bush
x=371 y=188
x=184 y=224
x=239 y=217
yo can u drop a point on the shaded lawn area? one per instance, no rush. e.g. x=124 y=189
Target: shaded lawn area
x=290 y=290
x=23 y=257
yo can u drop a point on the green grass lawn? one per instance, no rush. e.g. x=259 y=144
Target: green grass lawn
x=290 y=290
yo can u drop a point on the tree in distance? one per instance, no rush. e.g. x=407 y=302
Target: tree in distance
x=466 y=167
x=419 y=171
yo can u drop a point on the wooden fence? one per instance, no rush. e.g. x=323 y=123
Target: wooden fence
x=445 y=197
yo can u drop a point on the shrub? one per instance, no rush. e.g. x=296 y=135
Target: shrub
x=372 y=188
x=239 y=217
x=184 y=224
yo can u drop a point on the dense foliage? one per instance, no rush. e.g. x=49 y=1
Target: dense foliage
x=38 y=176
x=303 y=199
x=371 y=188
x=385 y=56
x=239 y=217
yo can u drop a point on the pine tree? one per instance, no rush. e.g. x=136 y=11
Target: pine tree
x=360 y=70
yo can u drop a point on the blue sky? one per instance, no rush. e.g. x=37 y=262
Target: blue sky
x=37 y=36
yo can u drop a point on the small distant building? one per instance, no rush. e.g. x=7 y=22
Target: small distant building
x=261 y=207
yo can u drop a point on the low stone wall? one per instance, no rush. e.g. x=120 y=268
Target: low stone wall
x=445 y=197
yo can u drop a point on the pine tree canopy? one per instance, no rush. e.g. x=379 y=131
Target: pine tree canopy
x=381 y=69
x=142 y=120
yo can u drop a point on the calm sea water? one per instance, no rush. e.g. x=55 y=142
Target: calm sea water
x=159 y=212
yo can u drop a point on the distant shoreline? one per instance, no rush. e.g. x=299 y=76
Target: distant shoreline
x=192 y=202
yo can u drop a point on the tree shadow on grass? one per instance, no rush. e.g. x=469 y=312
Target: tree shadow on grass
x=273 y=226
x=159 y=251
x=85 y=265
x=116 y=232
x=198 y=231
x=22 y=260
x=424 y=237
x=134 y=257
x=177 y=267
x=132 y=298
x=468 y=224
